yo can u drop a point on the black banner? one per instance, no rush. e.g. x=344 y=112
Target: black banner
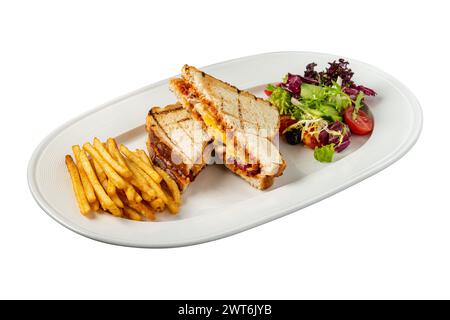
x=234 y=309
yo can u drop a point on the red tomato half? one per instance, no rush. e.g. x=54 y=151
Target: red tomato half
x=286 y=121
x=268 y=93
x=362 y=125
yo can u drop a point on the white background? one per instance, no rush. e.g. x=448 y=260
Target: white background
x=387 y=237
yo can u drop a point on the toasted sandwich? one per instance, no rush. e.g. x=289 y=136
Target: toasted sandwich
x=242 y=126
x=177 y=143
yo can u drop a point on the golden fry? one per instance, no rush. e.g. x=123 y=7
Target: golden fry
x=147 y=168
x=122 y=170
x=171 y=204
x=130 y=192
x=140 y=182
x=157 y=205
x=95 y=206
x=112 y=192
x=88 y=189
x=99 y=171
x=171 y=184
x=118 y=181
x=114 y=151
x=144 y=157
x=109 y=187
x=147 y=197
x=132 y=214
x=140 y=207
x=105 y=200
x=82 y=201
x=144 y=210
x=116 y=211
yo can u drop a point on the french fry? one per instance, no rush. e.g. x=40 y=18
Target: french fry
x=144 y=157
x=122 y=170
x=147 y=168
x=88 y=189
x=137 y=197
x=132 y=214
x=139 y=181
x=132 y=194
x=140 y=207
x=157 y=205
x=109 y=171
x=118 y=180
x=171 y=204
x=105 y=200
x=144 y=210
x=112 y=192
x=171 y=184
x=114 y=151
x=95 y=206
x=147 y=197
x=99 y=171
x=109 y=187
x=82 y=201
x=111 y=145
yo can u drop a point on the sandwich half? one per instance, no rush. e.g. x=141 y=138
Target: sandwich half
x=243 y=127
x=177 y=143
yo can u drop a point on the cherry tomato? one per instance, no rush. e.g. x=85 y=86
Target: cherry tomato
x=268 y=93
x=286 y=121
x=362 y=125
x=310 y=141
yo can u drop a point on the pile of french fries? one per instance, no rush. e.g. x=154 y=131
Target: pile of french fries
x=119 y=181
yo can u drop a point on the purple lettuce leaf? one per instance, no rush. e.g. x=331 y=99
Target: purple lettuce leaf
x=338 y=69
x=294 y=83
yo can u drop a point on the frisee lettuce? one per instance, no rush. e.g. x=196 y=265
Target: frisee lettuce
x=358 y=104
x=281 y=98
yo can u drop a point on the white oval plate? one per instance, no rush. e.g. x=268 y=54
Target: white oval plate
x=218 y=203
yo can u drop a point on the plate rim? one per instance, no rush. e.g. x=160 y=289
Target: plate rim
x=392 y=158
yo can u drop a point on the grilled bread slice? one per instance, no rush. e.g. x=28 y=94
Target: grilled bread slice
x=244 y=127
x=177 y=143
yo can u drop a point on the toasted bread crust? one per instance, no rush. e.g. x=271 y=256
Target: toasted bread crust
x=188 y=92
x=157 y=140
x=188 y=72
x=259 y=181
x=189 y=96
x=161 y=149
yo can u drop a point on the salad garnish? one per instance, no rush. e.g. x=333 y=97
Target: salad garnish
x=325 y=153
x=321 y=109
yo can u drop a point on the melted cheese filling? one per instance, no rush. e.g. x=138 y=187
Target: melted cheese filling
x=215 y=128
